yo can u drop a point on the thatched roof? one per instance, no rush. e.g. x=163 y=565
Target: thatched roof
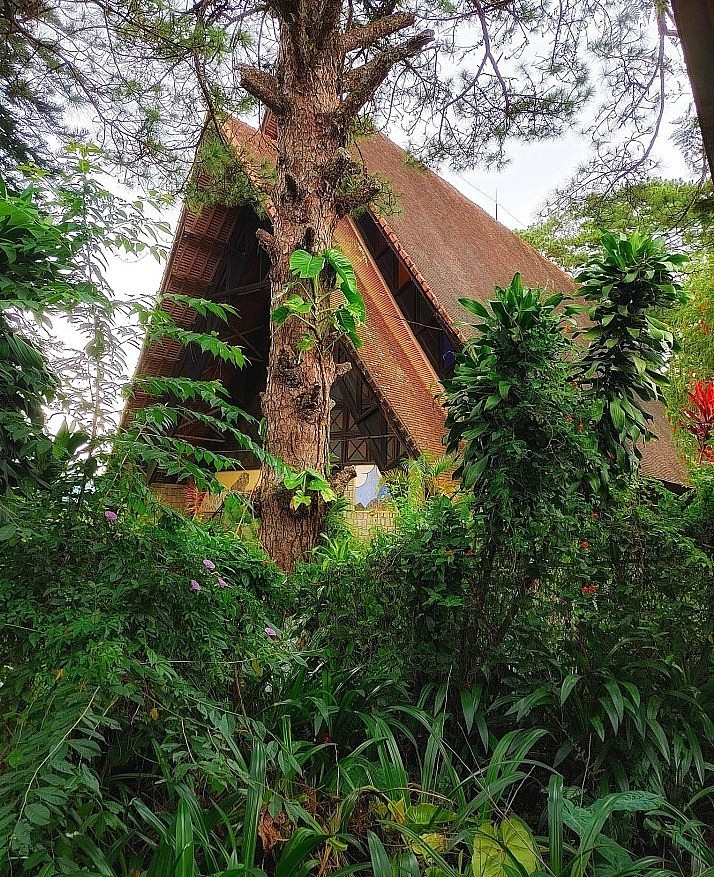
x=451 y=248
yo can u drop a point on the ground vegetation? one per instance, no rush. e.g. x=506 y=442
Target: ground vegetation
x=515 y=681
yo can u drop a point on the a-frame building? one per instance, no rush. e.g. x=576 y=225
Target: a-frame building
x=412 y=268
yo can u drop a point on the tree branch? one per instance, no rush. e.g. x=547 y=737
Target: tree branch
x=267 y=242
x=262 y=86
x=362 y=83
x=328 y=16
x=362 y=37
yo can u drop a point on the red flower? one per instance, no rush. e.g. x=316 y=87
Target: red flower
x=585 y=544
x=699 y=418
x=590 y=590
x=469 y=553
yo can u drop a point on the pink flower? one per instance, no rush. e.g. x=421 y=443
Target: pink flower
x=209 y=564
x=270 y=632
x=221 y=584
x=111 y=516
x=195 y=587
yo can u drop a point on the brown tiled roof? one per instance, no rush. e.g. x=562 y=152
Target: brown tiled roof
x=453 y=249
x=660 y=458
x=391 y=355
x=454 y=246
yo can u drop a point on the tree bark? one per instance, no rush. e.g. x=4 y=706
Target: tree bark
x=296 y=403
x=313 y=104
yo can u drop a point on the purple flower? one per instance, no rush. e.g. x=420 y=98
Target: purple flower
x=111 y=516
x=195 y=587
x=270 y=632
x=209 y=564
x=221 y=584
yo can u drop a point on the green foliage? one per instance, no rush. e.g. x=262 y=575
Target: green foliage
x=510 y=404
x=323 y=322
x=150 y=724
x=692 y=324
x=525 y=450
x=679 y=212
x=611 y=650
x=301 y=484
x=220 y=176
x=149 y=439
x=401 y=602
x=26 y=384
x=625 y=363
x=498 y=848
x=124 y=647
x=37 y=270
x=413 y=482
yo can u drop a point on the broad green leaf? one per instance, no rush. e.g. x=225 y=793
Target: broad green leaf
x=519 y=842
x=37 y=813
x=354 y=301
x=343 y=267
x=7 y=532
x=296 y=304
x=617 y=414
x=305 y=264
x=280 y=315
x=475 y=307
x=488 y=855
x=570 y=681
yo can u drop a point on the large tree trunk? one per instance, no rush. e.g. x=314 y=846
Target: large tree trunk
x=314 y=100
x=297 y=403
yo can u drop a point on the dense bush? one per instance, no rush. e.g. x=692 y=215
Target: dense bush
x=126 y=644
x=611 y=652
x=144 y=721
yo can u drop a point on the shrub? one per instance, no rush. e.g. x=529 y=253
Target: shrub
x=128 y=647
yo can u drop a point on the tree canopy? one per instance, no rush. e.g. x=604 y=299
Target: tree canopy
x=136 y=79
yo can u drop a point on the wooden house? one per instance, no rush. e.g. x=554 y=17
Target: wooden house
x=412 y=269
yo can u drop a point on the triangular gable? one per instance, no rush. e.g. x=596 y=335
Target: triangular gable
x=451 y=248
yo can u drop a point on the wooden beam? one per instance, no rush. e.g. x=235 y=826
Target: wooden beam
x=250 y=288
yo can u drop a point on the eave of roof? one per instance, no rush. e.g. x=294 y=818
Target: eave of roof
x=695 y=23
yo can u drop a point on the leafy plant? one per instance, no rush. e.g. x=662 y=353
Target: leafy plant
x=698 y=418
x=525 y=451
x=413 y=482
x=625 y=363
x=37 y=263
x=315 y=311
